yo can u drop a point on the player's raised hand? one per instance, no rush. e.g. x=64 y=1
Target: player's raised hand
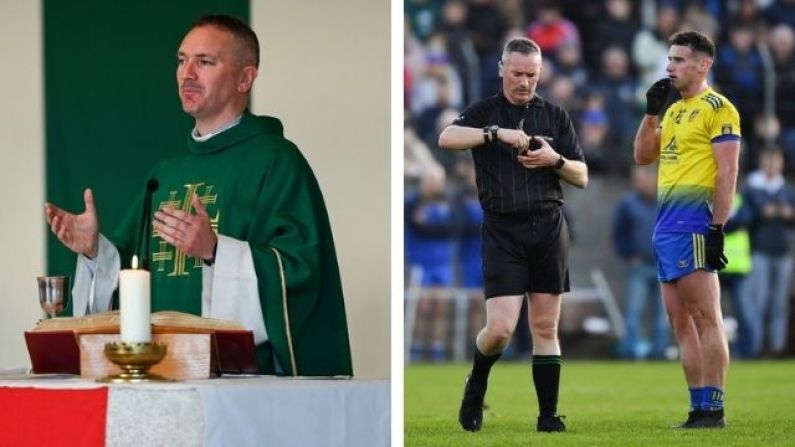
x=656 y=96
x=78 y=232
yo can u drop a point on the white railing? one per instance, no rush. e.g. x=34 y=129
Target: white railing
x=599 y=292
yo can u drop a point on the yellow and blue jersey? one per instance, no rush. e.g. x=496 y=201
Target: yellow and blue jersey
x=687 y=169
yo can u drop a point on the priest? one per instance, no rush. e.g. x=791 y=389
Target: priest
x=240 y=229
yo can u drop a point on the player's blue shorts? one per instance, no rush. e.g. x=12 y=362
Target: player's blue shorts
x=679 y=254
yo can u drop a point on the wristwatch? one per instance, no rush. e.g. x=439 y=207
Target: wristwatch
x=559 y=164
x=493 y=129
x=211 y=261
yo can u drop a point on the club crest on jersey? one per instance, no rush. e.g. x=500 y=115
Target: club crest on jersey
x=693 y=115
x=726 y=129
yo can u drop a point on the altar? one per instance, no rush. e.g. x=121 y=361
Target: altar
x=227 y=411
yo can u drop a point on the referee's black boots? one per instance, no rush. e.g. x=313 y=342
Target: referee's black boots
x=470 y=416
x=550 y=424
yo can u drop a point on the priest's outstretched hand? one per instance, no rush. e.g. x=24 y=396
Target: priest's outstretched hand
x=191 y=233
x=78 y=232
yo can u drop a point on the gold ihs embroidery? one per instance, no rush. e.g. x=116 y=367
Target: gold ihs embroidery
x=168 y=255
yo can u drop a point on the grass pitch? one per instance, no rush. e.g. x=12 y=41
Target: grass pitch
x=605 y=403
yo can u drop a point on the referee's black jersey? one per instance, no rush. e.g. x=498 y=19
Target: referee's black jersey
x=504 y=185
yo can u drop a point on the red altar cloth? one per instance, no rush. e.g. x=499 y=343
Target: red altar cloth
x=53 y=417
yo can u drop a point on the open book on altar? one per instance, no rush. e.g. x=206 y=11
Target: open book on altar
x=196 y=347
x=162 y=322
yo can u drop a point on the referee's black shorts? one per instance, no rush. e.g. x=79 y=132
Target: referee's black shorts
x=525 y=253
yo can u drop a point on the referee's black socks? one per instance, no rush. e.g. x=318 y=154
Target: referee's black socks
x=546 y=378
x=482 y=366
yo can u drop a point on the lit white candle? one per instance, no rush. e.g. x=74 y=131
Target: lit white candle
x=135 y=304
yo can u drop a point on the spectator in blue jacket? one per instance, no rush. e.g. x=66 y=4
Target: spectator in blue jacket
x=739 y=73
x=470 y=261
x=430 y=226
x=772 y=203
x=633 y=226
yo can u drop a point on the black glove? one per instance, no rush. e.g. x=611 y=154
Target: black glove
x=713 y=245
x=656 y=96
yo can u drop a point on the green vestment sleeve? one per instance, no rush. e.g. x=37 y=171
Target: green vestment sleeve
x=297 y=270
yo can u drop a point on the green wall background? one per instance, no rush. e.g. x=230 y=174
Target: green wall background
x=112 y=109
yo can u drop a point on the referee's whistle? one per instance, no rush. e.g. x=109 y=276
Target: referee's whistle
x=533 y=145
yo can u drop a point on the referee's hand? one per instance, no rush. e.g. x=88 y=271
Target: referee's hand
x=542 y=157
x=514 y=137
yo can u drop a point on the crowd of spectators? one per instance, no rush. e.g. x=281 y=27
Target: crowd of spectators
x=599 y=59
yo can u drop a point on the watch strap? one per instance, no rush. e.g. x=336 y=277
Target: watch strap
x=211 y=261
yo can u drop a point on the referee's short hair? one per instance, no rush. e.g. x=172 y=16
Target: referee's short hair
x=695 y=40
x=521 y=45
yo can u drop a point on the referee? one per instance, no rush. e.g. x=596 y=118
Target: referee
x=522 y=146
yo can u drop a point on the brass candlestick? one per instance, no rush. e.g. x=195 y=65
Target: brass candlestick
x=134 y=359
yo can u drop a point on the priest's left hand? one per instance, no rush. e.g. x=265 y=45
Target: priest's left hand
x=191 y=233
